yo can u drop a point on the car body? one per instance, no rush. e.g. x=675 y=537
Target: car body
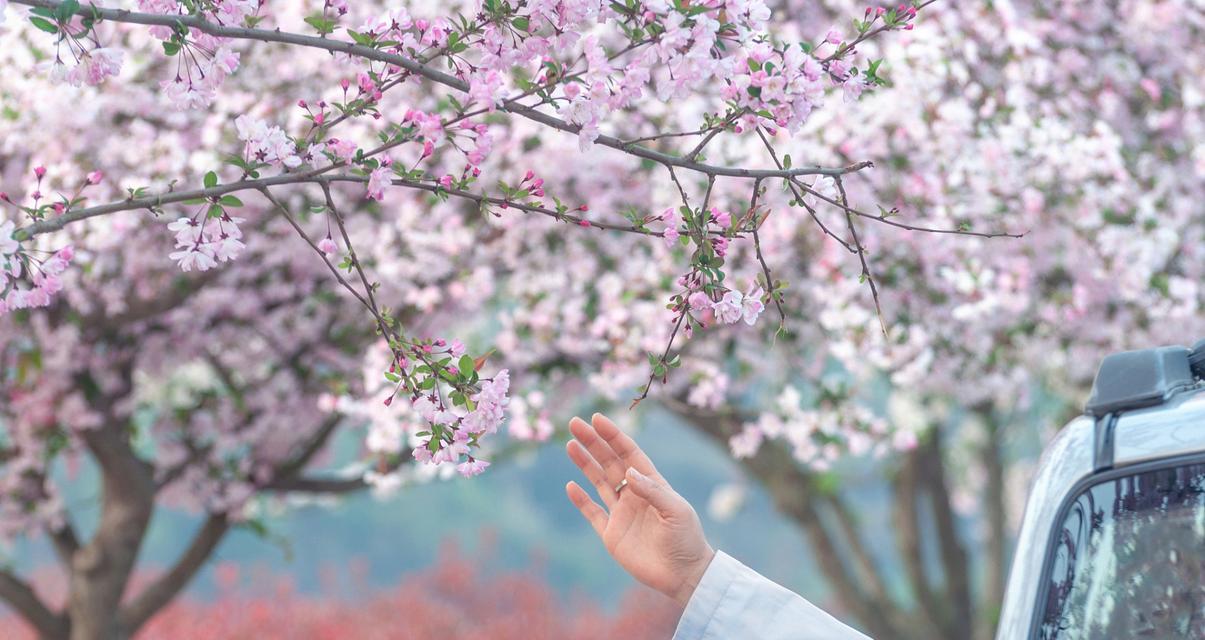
x=1112 y=544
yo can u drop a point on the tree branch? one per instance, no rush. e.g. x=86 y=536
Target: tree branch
x=435 y=75
x=65 y=543
x=791 y=490
x=951 y=550
x=22 y=598
x=906 y=517
x=866 y=274
x=317 y=484
x=313 y=176
x=869 y=573
x=997 y=526
x=157 y=594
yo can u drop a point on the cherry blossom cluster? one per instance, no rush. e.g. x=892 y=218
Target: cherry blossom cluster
x=79 y=57
x=820 y=436
x=209 y=236
x=203 y=62
x=29 y=278
x=44 y=276
x=533 y=51
x=444 y=392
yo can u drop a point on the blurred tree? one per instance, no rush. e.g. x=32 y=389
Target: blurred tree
x=454 y=599
x=439 y=209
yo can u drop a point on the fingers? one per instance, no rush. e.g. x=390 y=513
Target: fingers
x=599 y=450
x=622 y=445
x=593 y=472
x=593 y=513
x=658 y=495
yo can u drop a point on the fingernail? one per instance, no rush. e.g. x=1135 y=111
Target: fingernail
x=635 y=475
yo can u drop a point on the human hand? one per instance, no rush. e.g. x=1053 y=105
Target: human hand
x=650 y=530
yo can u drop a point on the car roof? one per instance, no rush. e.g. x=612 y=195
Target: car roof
x=1172 y=429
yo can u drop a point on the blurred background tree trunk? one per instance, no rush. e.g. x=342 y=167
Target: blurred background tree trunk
x=942 y=593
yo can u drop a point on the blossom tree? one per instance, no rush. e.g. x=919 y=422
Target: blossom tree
x=462 y=595
x=233 y=229
x=299 y=163
x=1076 y=122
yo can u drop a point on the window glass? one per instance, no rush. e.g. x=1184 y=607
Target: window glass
x=1129 y=560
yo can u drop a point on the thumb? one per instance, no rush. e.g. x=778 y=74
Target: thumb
x=660 y=496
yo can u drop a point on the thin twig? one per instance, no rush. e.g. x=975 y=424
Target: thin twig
x=874 y=291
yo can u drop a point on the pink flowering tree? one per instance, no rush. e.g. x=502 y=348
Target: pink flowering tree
x=1077 y=123
x=232 y=230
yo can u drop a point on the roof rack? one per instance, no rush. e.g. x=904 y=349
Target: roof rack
x=1135 y=380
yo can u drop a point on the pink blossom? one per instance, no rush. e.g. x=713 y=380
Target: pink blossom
x=746 y=443
x=472 y=467
x=853 y=88
x=268 y=144
x=344 y=150
x=720 y=245
x=670 y=235
x=378 y=179
x=94 y=66
x=729 y=309
x=751 y=306
x=198 y=258
x=8 y=245
x=699 y=301
x=327 y=245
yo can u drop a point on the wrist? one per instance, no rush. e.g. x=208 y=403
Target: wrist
x=693 y=576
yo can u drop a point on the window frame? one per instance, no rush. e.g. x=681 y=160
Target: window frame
x=1068 y=501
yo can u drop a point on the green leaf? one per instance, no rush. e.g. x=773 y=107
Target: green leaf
x=231 y=201
x=323 y=25
x=43 y=24
x=466 y=365
x=360 y=38
x=66 y=10
x=171 y=48
x=211 y=180
x=257 y=527
x=215 y=211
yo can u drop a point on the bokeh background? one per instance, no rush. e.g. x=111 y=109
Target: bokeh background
x=880 y=474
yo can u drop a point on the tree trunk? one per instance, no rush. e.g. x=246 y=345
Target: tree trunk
x=100 y=570
x=997 y=529
x=792 y=492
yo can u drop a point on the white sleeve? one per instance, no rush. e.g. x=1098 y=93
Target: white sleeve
x=733 y=602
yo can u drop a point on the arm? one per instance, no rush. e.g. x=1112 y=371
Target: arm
x=656 y=536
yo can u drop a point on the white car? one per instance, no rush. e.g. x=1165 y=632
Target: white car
x=1112 y=544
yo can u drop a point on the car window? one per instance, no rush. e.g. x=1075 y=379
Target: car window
x=1129 y=559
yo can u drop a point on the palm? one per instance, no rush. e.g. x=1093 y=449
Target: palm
x=641 y=541
x=651 y=531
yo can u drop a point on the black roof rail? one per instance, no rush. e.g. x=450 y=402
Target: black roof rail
x=1134 y=380
x=1137 y=379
